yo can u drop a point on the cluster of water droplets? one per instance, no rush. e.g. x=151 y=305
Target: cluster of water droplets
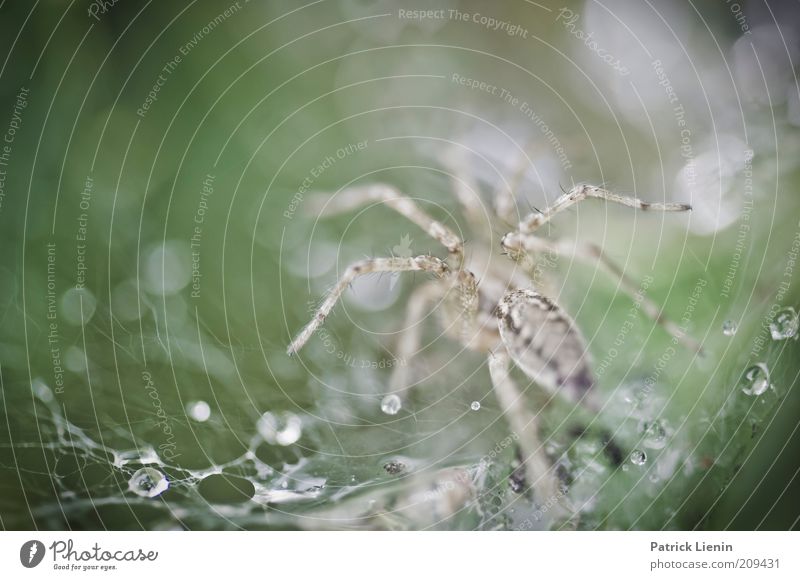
x=755 y=380
x=286 y=474
x=279 y=480
x=150 y=476
x=784 y=325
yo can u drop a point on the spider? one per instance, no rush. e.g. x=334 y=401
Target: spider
x=504 y=314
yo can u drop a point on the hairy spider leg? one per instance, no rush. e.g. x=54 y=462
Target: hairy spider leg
x=521 y=245
x=540 y=475
x=418 y=307
x=355 y=197
x=581 y=192
x=419 y=263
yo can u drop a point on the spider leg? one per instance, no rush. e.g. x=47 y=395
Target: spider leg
x=360 y=268
x=524 y=424
x=408 y=345
x=582 y=192
x=462 y=290
x=354 y=197
x=519 y=244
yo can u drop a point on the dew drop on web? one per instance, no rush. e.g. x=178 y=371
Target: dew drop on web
x=638 y=457
x=654 y=433
x=148 y=482
x=729 y=328
x=391 y=404
x=281 y=429
x=198 y=411
x=785 y=324
x=755 y=380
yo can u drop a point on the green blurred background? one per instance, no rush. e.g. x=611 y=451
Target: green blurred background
x=156 y=258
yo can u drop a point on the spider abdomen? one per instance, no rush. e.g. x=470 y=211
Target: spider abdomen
x=544 y=342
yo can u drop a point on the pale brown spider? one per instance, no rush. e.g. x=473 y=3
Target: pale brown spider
x=503 y=315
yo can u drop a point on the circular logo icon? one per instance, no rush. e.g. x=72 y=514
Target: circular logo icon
x=31 y=553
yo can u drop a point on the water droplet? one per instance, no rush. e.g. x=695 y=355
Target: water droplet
x=148 y=482
x=638 y=457
x=785 y=324
x=199 y=411
x=391 y=404
x=475 y=406
x=755 y=380
x=729 y=328
x=283 y=429
x=654 y=433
